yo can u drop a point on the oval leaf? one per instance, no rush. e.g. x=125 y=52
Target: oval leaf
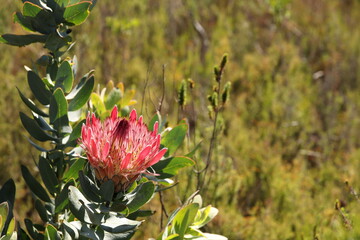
x=142 y=194
x=83 y=95
x=174 y=138
x=98 y=104
x=75 y=168
x=31 y=9
x=64 y=77
x=58 y=109
x=41 y=210
x=170 y=166
x=38 y=88
x=34 y=129
x=22 y=40
x=30 y=104
x=89 y=188
x=51 y=232
x=77 y=13
x=48 y=175
x=34 y=185
x=76 y=203
x=62 y=200
x=107 y=190
x=183 y=219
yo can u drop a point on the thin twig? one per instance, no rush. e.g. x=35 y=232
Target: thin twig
x=213 y=138
x=163 y=211
x=163 y=88
x=144 y=90
x=217 y=109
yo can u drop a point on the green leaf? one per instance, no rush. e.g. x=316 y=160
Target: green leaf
x=31 y=105
x=81 y=83
x=118 y=207
x=51 y=71
x=140 y=196
x=94 y=214
x=170 y=166
x=89 y=188
x=34 y=129
x=174 y=138
x=62 y=3
x=77 y=13
x=33 y=232
x=41 y=149
x=64 y=77
x=36 y=17
x=70 y=230
x=84 y=230
x=118 y=224
x=22 y=40
x=41 y=210
x=11 y=229
x=75 y=134
x=113 y=98
x=83 y=94
x=31 y=9
x=166 y=182
x=183 y=219
x=24 y=22
x=116 y=236
x=98 y=104
x=43 y=22
x=34 y=185
x=76 y=202
x=75 y=116
x=58 y=110
x=4 y=212
x=22 y=235
x=48 y=175
x=107 y=190
x=38 y=88
x=7 y=193
x=204 y=216
x=141 y=213
x=44 y=125
x=74 y=169
x=54 y=42
x=62 y=200
x=51 y=232
x=173 y=237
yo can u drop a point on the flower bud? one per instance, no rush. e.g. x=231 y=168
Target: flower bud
x=182 y=93
x=226 y=92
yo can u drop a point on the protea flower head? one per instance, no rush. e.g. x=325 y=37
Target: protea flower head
x=120 y=149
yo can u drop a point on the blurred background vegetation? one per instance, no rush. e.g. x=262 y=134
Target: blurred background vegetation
x=287 y=140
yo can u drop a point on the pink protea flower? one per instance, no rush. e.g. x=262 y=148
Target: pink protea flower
x=120 y=149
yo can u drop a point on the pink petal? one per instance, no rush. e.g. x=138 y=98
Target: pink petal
x=133 y=115
x=156 y=143
x=93 y=150
x=93 y=119
x=140 y=121
x=114 y=113
x=143 y=154
x=125 y=162
x=155 y=128
x=157 y=157
x=105 y=150
x=83 y=133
